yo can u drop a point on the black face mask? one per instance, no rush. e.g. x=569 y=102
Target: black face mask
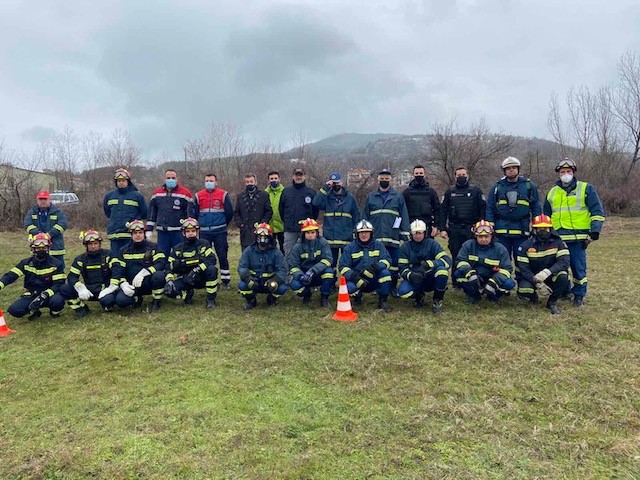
x=41 y=254
x=251 y=188
x=190 y=240
x=543 y=236
x=462 y=181
x=419 y=179
x=337 y=188
x=384 y=183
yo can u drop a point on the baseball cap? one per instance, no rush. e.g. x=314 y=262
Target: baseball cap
x=43 y=194
x=335 y=177
x=384 y=171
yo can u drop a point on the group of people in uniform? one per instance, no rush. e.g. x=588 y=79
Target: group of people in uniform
x=388 y=247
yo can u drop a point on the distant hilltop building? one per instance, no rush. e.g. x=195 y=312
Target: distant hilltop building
x=357 y=177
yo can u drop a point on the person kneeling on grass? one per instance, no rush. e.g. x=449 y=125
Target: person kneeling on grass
x=137 y=270
x=43 y=277
x=483 y=266
x=262 y=269
x=424 y=267
x=192 y=264
x=310 y=264
x=543 y=261
x=364 y=264
x=89 y=274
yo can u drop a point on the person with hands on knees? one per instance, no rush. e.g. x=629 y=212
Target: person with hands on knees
x=577 y=215
x=192 y=265
x=138 y=270
x=89 y=275
x=310 y=264
x=43 y=277
x=365 y=265
x=544 y=265
x=483 y=266
x=424 y=267
x=262 y=269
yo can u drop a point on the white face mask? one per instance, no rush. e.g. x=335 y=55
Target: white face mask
x=566 y=178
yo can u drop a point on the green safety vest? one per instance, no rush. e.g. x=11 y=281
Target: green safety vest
x=570 y=212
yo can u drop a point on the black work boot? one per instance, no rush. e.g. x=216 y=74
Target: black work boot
x=357 y=299
x=324 y=301
x=473 y=299
x=437 y=307
x=35 y=314
x=188 y=298
x=249 y=302
x=271 y=300
x=225 y=285
x=578 y=301
x=155 y=305
x=211 y=301
x=419 y=300
x=382 y=303
x=552 y=306
x=306 y=298
x=83 y=312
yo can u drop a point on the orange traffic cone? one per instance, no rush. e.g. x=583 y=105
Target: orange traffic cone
x=4 y=330
x=344 y=312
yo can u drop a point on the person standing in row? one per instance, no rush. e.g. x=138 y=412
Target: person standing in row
x=252 y=207
x=463 y=205
x=296 y=205
x=121 y=206
x=422 y=201
x=274 y=190
x=214 y=212
x=47 y=218
x=169 y=204
x=341 y=214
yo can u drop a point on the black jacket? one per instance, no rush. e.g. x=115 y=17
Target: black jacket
x=296 y=203
x=462 y=206
x=422 y=203
x=249 y=210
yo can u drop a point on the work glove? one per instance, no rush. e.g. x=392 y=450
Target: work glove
x=594 y=235
x=306 y=278
x=474 y=278
x=137 y=280
x=107 y=291
x=38 y=302
x=252 y=282
x=541 y=276
x=543 y=290
x=362 y=283
x=128 y=289
x=374 y=268
x=272 y=285
x=148 y=235
x=191 y=278
x=170 y=288
x=427 y=265
x=416 y=278
x=83 y=291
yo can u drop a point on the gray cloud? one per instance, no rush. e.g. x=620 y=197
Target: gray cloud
x=165 y=71
x=37 y=134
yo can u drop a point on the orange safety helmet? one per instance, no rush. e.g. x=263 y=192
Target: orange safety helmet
x=263 y=229
x=189 y=223
x=40 y=240
x=122 y=173
x=309 y=224
x=482 y=228
x=135 y=225
x=542 y=221
x=90 y=236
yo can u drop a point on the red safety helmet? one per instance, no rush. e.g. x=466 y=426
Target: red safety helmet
x=134 y=225
x=122 y=173
x=542 y=221
x=189 y=223
x=263 y=229
x=309 y=224
x=90 y=236
x=40 y=240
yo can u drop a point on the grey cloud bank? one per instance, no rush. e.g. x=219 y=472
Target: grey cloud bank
x=165 y=71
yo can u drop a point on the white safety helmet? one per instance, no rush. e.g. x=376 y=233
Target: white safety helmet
x=418 y=226
x=364 y=226
x=510 y=162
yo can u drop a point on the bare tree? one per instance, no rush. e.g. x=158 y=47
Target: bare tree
x=627 y=104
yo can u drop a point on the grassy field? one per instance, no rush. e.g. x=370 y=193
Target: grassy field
x=478 y=392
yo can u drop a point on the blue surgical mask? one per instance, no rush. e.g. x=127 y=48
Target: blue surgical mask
x=171 y=183
x=274 y=183
x=209 y=185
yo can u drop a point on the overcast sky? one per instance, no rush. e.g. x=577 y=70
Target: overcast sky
x=165 y=70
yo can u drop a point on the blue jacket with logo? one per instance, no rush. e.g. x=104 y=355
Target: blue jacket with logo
x=383 y=213
x=296 y=204
x=356 y=258
x=513 y=220
x=341 y=214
